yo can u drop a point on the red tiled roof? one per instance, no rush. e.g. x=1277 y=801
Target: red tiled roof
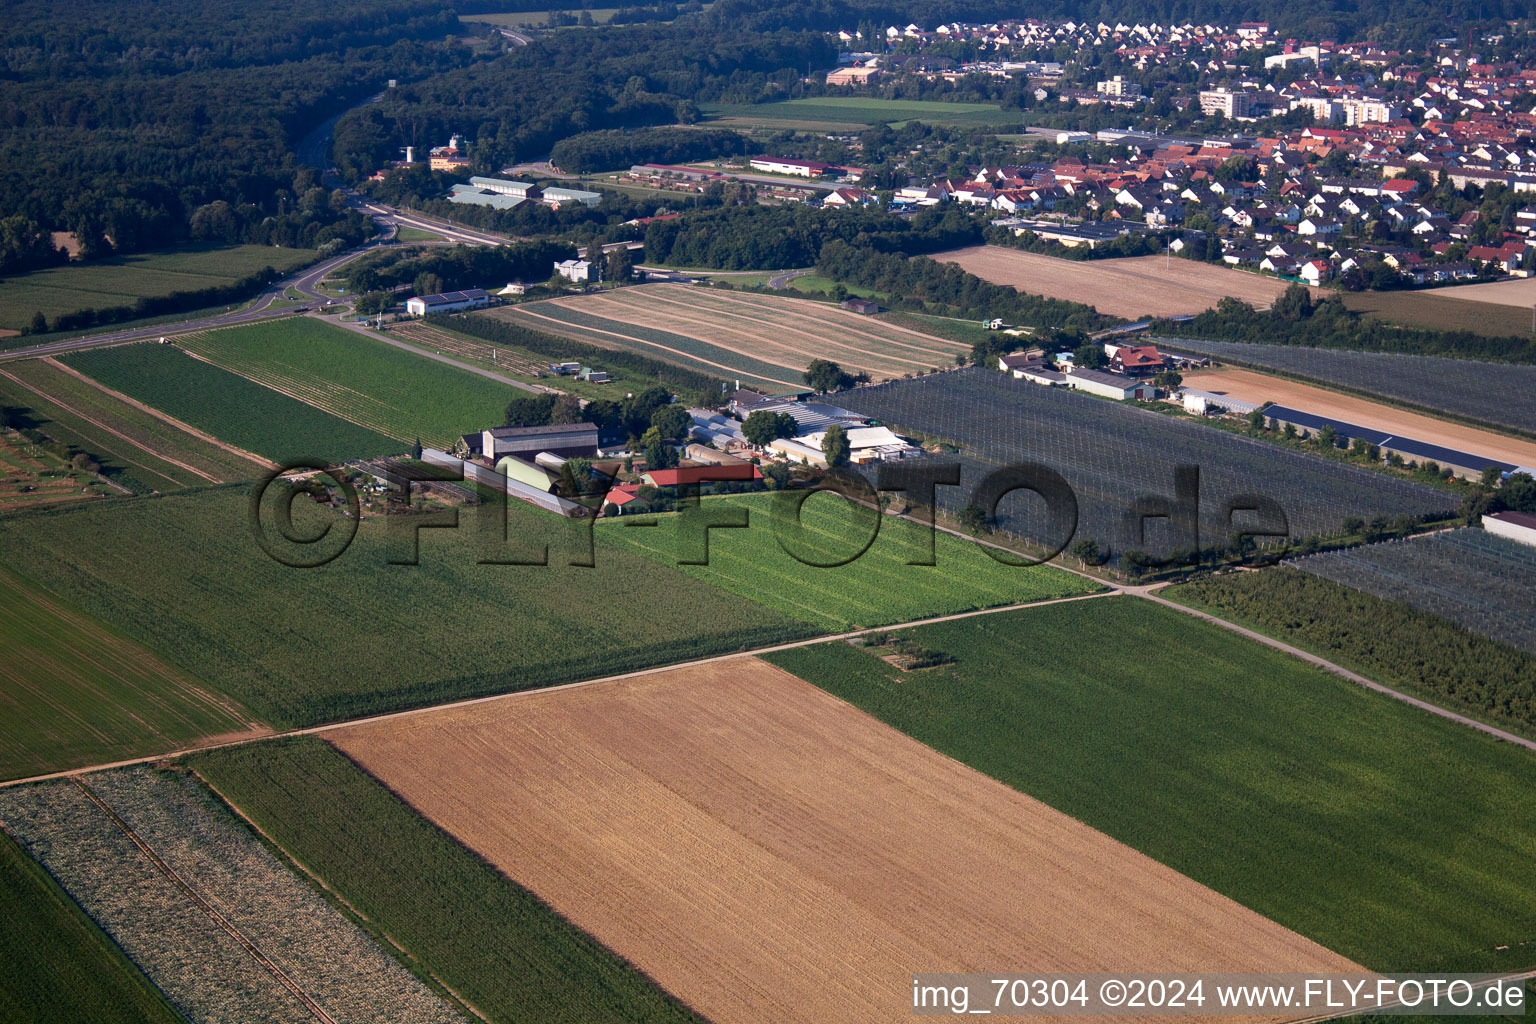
x=702 y=474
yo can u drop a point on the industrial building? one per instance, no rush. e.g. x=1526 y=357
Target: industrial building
x=566 y=439
x=447 y=302
x=1515 y=526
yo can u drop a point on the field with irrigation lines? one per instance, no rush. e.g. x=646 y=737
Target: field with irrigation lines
x=358 y=379
x=1494 y=393
x=187 y=891
x=1471 y=577
x=182 y=574
x=58 y=963
x=121 y=280
x=226 y=405
x=879 y=587
x=1297 y=793
x=862 y=110
x=763 y=339
x=1112 y=454
x=496 y=945
x=76 y=692
x=134 y=447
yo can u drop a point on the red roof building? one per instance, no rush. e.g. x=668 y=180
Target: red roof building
x=701 y=475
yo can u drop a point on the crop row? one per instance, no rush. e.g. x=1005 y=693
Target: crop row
x=226 y=405
x=360 y=635
x=1471 y=577
x=488 y=939
x=208 y=851
x=1113 y=456
x=672 y=348
x=392 y=391
x=1494 y=393
x=878 y=587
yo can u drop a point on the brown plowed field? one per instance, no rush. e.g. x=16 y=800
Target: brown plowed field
x=1252 y=386
x=769 y=853
x=1131 y=287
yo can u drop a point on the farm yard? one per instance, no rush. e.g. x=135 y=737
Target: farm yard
x=766 y=341
x=46 y=938
x=857 y=111
x=880 y=587
x=1394 y=837
x=767 y=852
x=1254 y=386
x=1112 y=455
x=135 y=447
x=490 y=941
x=1469 y=576
x=1131 y=287
x=254 y=419
x=181 y=573
x=1497 y=394
x=75 y=692
x=355 y=378
x=220 y=926
x=122 y=280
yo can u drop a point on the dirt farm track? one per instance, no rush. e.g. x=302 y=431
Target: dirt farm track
x=766 y=852
x=1129 y=287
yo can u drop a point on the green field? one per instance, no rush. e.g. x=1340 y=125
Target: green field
x=878 y=588
x=245 y=414
x=490 y=941
x=1399 y=839
x=58 y=964
x=121 y=280
x=183 y=574
x=1388 y=641
x=417 y=235
x=1442 y=313
x=74 y=692
x=133 y=447
x=362 y=380
x=862 y=110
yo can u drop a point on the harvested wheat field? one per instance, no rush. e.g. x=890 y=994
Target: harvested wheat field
x=1514 y=291
x=1252 y=386
x=1131 y=287
x=767 y=339
x=765 y=851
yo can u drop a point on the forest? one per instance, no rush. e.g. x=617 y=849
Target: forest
x=619 y=150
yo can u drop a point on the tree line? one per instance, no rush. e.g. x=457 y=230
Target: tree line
x=1295 y=319
x=612 y=150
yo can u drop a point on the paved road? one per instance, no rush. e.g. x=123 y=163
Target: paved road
x=305 y=281
x=781 y=281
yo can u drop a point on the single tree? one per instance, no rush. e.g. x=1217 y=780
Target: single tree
x=825 y=375
x=39 y=323
x=416 y=449
x=763 y=427
x=1089 y=357
x=972 y=517
x=621 y=266
x=834 y=445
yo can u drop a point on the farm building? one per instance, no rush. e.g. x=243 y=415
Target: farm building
x=530 y=473
x=1515 y=526
x=707 y=456
x=575 y=270
x=716 y=429
x=686 y=475
x=515 y=488
x=447 y=302
x=863 y=306
x=1202 y=402
x=1136 y=360
x=865 y=445
x=1109 y=385
x=514 y=288
x=559 y=439
x=803 y=168
x=1464 y=464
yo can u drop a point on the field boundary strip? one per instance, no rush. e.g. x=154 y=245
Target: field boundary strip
x=115 y=433
x=207 y=908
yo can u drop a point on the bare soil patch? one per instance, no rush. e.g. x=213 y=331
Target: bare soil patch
x=1130 y=287
x=1252 y=386
x=768 y=852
